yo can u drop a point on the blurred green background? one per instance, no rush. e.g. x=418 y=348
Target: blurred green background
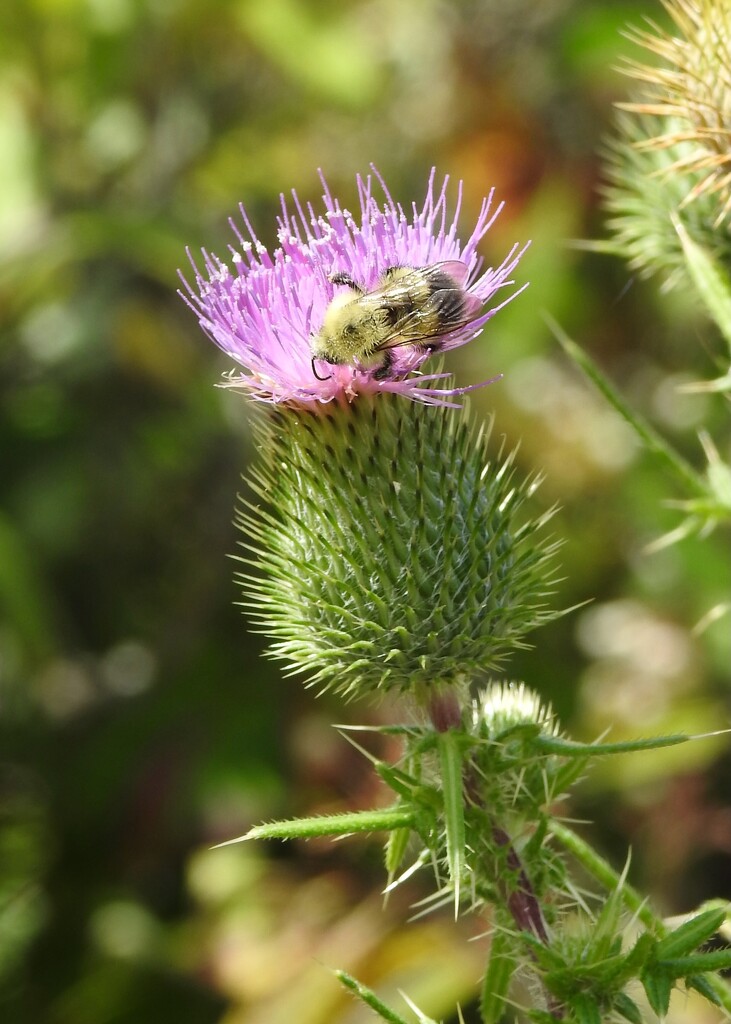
x=138 y=723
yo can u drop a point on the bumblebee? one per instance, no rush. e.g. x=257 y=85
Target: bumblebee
x=415 y=306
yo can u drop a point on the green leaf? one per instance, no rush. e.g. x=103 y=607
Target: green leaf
x=718 y=960
x=548 y=957
x=712 y=283
x=585 y=1009
x=330 y=825
x=607 y=925
x=721 y=989
x=691 y=934
x=627 y=1008
x=656 y=445
x=657 y=985
x=600 y=972
x=396 y=845
x=572 y=748
x=450 y=762
x=369 y=998
x=401 y=783
x=702 y=985
x=599 y=869
x=641 y=954
x=500 y=969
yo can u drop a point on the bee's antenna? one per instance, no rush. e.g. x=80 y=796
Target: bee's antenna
x=347 y=280
x=316 y=373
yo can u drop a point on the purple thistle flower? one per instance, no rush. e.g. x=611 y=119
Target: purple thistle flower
x=265 y=312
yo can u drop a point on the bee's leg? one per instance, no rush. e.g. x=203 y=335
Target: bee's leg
x=384 y=370
x=342 y=278
x=317 y=374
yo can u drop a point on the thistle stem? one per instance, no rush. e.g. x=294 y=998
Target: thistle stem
x=518 y=892
x=522 y=901
x=444 y=710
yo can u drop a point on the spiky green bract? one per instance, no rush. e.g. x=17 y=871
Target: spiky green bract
x=392 y=550
x=645 y=192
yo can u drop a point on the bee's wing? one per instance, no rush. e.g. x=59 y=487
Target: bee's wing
x=418 y=326
x=458 y=271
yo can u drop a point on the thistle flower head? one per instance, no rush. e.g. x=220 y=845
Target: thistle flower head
x=395 y=553
x=690 y=91
x=265 y=310
x=643 y=195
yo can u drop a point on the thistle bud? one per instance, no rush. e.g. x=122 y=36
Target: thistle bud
x=393 y=551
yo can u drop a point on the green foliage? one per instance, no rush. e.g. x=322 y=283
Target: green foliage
x=369 y=998
x=501 y=966
x=479 y=798
x=710 y=503
x=138 y=724
x=331 y=825
x=450 y=760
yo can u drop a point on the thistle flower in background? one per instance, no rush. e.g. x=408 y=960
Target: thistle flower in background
x=642 y=197
x=692 y=92
x=266 y=312
x=670 y=159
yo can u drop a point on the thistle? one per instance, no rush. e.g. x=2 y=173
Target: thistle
x=266 y=312
x=668 y=162
x=390 y=547
x=691 y=91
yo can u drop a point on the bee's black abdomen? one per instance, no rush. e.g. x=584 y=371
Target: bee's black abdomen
x=384 y=370
x=445 y=298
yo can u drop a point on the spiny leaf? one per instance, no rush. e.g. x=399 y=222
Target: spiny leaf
x=637 y=958
x=691 y=934
x=330 y=825
x=657 y=985
x=702 y=985
x=396 y=845
x=712 y=283
x=627 y=1007
x=680 y=966
x=572 y=748
x=500 y=970
x=369 y=998
x=585 y=1009
x=655 y=444
x=450 y=762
